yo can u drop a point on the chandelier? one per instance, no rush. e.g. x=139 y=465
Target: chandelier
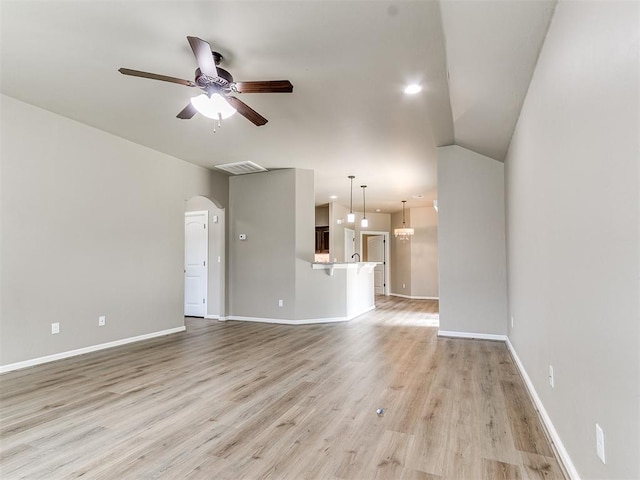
x=403 y=233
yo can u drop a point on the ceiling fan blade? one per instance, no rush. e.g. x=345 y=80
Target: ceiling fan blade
x=246 y=111
x=202 y=51
x=187 y=112
x=269 y=86
x=155 y=76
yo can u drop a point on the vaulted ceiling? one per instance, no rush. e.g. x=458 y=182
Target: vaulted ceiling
x=348 y=61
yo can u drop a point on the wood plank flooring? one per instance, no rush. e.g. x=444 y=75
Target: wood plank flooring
x=231 y=400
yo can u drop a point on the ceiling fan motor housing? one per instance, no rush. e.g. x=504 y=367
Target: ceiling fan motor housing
x=222 y=82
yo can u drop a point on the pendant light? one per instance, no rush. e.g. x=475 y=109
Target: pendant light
x=403 y=233
x=351 y=217
x=365 y=222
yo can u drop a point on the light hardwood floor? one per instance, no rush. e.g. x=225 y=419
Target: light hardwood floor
x=247 y=400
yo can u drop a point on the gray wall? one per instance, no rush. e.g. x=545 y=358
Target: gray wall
x=276 y=211
x=336 y=243
x=400 y=257
x=317 y=295
x=471 y=242
x=573 y=241
x=415 y=262
x=92 y=225
x=378 y=222
x=424 y=252
x=262 y=268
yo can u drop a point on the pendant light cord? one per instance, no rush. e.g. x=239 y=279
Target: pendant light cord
x=403 y=202
x=351 y=199
x=364 y=202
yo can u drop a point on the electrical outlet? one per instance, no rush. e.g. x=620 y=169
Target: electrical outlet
x=403 y=285
x=600 y=443
x=281 y=303
x=102 y=320
x=55 y=328
x=551 y=380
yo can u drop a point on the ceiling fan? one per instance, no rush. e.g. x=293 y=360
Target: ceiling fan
x=217 y=85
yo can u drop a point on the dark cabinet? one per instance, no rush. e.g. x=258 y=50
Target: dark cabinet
x=322 y=239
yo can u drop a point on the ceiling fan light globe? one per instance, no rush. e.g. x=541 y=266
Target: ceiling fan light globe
x=213 y=107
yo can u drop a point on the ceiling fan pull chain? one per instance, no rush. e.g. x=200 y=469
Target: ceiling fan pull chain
x=219 y=120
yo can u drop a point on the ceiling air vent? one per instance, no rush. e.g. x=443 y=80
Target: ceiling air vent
x=241 y=168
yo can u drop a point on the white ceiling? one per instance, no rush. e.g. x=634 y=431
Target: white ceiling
x=348 y=61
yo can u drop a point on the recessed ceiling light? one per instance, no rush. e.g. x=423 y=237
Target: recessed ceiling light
x=377 y=209
x=418 y=195
x=333 y=197
x=413 y=88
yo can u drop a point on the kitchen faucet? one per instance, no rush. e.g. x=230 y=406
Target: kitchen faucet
x=355 y=255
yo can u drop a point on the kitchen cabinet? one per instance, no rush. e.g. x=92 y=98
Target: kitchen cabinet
x=322 y=239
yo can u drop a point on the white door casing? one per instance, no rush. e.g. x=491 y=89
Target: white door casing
x=376 y=253
x=196 y=241
x=386 y=261
x=349 y=244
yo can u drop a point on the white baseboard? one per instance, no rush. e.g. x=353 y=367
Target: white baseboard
x=81 y=351
x=477 y=336
x=212 y=317
x=413 y=297
x=555 y=438
x=305 y=321
x=283 y=321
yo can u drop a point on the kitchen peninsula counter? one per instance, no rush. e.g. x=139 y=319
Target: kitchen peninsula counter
x=356 y=279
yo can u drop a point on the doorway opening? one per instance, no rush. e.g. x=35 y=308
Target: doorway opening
x=375 y=248
x=204 y=259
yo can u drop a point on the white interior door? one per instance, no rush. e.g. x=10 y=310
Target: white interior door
x=376 y=253
x=195 y=263
x=349 y=244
